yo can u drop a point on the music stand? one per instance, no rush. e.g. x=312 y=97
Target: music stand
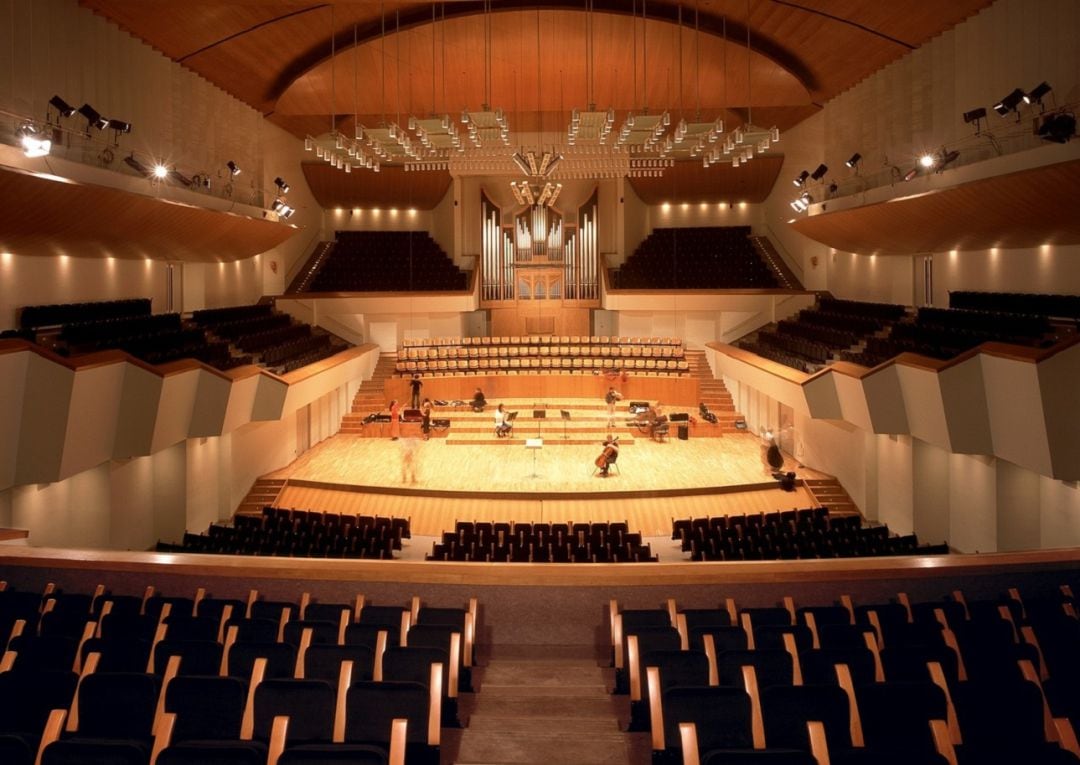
x=535 y=444
x=539 y=414
x=565 y=419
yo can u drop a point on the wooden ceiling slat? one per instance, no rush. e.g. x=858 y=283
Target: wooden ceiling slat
x=1023 y=209
x=43 y=216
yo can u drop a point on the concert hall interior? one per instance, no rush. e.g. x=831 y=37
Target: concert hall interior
x=509 y=381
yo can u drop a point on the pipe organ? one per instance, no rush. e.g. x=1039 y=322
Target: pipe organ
x=539 y=255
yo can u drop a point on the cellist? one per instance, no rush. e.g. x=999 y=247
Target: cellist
x=609 y=455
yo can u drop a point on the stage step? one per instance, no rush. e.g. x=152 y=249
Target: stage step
x=830 y=493
x=265 y=491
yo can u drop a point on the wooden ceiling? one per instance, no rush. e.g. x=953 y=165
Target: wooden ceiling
x=1023 y=209
x=49 y=216
x=275 y=55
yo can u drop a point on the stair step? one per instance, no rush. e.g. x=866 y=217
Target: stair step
x=598 y=707
x=563 y=744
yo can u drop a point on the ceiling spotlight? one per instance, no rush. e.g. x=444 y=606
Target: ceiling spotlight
x=160 y=171
x=1009 y=103
x=34 y=142
x=93 y=117
x=818 y=174
x=63 y=107
x=855 y=159
x=1058 y=128
x=234 y=169
x=281 y=185
x=801 y=179
x=119 y=126
x=1036 y=95
x=927 y=160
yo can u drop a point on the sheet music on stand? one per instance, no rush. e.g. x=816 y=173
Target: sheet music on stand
x=538 y=415
x=535 y=445
x=565 y=419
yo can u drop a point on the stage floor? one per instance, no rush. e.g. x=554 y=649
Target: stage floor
x=655 y=482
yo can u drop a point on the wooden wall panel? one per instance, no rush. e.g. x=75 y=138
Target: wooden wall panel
x=690 y=182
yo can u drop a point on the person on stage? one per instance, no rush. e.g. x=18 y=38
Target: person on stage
x=478 y=401
x=610 y=399
x=415 y=384
x=395 y=420
x=501 y=426
x=609 y=455
x=409 y=446
x=425 y=418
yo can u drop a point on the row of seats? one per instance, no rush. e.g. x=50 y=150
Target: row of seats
x=791 y=535
x=526 y=542
x=103 y=678
x=948 y=681
x=301 y=534
x=36 y=316
x=429 y=342
x=539 y=351
x=1032 y=304
x=815 y=337
x=548 y=363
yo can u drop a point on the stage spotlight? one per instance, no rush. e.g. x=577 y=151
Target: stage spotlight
x=137 y=166
x=927 y=160
x=119 y=126
x=946 y=158
x=1058 y=128
x=911 y=173
x=34 y=141
x=1009 y=103
x=234 y=169
x=160 y=171
x=63 y=108
x=281 y=185
x=833 y=188
x=854 y=161
x=1037 y=93
x=819 y=173
x=801 y=179
x=975 y=115
x=93 y=117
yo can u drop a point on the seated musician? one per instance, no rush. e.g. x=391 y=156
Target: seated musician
x=609 y=456
x=478 y=401
x=502 y=427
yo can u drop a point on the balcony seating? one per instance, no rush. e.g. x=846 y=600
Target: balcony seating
x=695 y=258
x=387 y=261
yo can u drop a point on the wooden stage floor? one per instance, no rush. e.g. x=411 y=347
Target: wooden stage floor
x=655 y=482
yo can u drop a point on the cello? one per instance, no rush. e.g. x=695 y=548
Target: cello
x=609 y=455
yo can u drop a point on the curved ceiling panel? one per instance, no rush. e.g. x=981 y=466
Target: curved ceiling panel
x=1024 y=209
x=689 y=182
x=391 y=188
x=44 y=215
